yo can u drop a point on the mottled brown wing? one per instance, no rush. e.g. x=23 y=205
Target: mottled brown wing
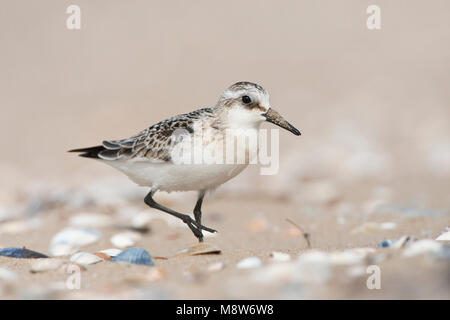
x=154 y=142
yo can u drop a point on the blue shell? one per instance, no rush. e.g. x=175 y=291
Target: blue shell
x=386 y=243
x=21 y=253
x=134 y=255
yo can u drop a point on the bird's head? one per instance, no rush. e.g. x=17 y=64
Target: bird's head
x=247 y=104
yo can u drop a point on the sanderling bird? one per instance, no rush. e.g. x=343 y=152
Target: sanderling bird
x=152 y=157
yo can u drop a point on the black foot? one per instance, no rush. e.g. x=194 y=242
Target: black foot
x=197 y=228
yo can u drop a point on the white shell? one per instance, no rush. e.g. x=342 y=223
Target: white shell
x=85 y=258
x=249 y=263
x=71 y=239
x=445 y=236
x=125 y=239
x=90 y=220
x=280 y=256
x=41 y=265
x=421 y=247
x=111 y=252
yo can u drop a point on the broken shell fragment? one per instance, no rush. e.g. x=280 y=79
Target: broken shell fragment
x=85 y=258
x=200 y=248
x=134 y=255
x=21 y=253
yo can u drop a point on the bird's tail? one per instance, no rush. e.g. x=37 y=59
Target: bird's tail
x=91 y=152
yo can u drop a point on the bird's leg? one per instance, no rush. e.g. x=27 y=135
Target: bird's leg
x=198 y=211
x=193 y=225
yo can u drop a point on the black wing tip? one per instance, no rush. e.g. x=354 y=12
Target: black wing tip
x=91 y=152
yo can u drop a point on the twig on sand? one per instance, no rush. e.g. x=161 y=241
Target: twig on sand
x=305 y=234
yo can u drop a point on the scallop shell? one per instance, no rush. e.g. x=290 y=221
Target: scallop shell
x=134 y=255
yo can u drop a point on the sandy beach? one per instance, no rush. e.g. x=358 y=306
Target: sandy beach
x=368 y=179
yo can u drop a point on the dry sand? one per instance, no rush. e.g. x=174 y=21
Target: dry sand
x=373 y=108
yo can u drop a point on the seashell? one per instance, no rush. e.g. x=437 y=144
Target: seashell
x=71 y=239
x=216 y=266
x=395 y=244
x=400 y=243
x=21 y=253
x=8 y=275
x=249 y=263
x=197 y=249
x=141 y=221
x=423 y=247
x=85 y=258
x=125 y=239
x=279 y=256
x=90 y=220
x=108 y=254
x=20 y=226
x=42 y=265
x=386 y=243
x=445 y=235
x=134 y=255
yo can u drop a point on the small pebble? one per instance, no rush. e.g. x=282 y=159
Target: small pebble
x=249 y=263
x=134 y=255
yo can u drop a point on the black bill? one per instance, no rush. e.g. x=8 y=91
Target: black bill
x=274 y=117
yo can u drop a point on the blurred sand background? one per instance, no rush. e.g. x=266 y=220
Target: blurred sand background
x=373 y=108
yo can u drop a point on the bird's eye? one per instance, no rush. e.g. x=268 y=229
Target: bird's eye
x=246 y=99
